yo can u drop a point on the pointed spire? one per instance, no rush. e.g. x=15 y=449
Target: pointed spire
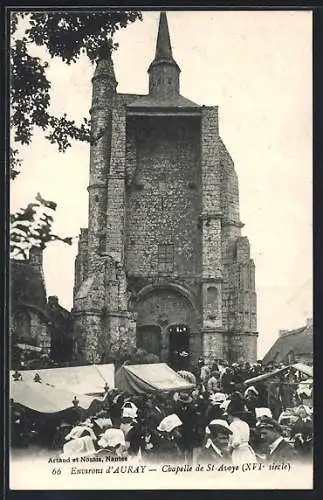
x=163 y=46
x=163 y=71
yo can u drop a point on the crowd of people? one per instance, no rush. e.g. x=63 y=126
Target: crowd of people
x=219 y=420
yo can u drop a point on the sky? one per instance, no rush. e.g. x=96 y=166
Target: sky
x=257 y=67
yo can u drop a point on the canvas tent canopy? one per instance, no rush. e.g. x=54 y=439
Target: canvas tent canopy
x=44 y=398
x=27 y=347
x=89 y=380
x=140 y=379
x=305 y=369
x=300 y=367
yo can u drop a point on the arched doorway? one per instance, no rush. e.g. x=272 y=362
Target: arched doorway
x=179 y=358
x=148 y=337
x=167 y=306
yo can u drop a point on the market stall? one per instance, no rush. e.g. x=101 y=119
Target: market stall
x=41 y=414
x=44 y=398
x=88 y=380
x=139 y=379
x=281 y=387
x=297 y=367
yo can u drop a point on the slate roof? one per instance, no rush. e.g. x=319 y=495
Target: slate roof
x=299 y=341
x=147 y=101
x=163 y=55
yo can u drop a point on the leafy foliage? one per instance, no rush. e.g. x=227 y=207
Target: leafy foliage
x=15 y=163
x=32 y=226
x=65 y=35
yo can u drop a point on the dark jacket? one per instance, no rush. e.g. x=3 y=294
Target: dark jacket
x=213 y=412
x=210 y=456
x=134 y=439
x=284 y=452
x=167 y=449
x=189 y=428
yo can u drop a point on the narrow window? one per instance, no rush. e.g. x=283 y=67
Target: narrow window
x=212 y=302
x=166 y=258
x=162 y=187
x=102 y=243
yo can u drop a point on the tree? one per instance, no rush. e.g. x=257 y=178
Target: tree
x=65 y=35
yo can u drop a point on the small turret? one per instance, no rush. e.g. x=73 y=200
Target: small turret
x=163 y=71
x=103 y=98
x=104 y=79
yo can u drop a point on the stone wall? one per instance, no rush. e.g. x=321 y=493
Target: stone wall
x=103 y=97
x=243 y=347
x=81 y=261
x=242 y=298
x=164 y=205
x=229 y=187
x=100 y=311
x=116 y=186
x=163 y=197
x=211 y=234
x=164 y=81
x=214 y=345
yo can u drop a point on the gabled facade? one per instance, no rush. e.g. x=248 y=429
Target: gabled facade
x=292 y=346
x=37 y=323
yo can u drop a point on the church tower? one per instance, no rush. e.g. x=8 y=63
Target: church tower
x=163 y=264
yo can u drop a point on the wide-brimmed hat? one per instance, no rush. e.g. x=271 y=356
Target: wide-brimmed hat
x=82 y=446
x=78 y=432
x=112 y=438
x=263 y=412
x=218 y=424
x=169 y=423
x=129 y=413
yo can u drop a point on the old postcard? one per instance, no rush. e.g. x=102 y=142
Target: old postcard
x=161 y=332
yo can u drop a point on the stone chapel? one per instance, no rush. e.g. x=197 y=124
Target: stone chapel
x=162 y=264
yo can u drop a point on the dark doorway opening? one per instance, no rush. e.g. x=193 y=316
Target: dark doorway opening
x=179 y=355
x=148 y=338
